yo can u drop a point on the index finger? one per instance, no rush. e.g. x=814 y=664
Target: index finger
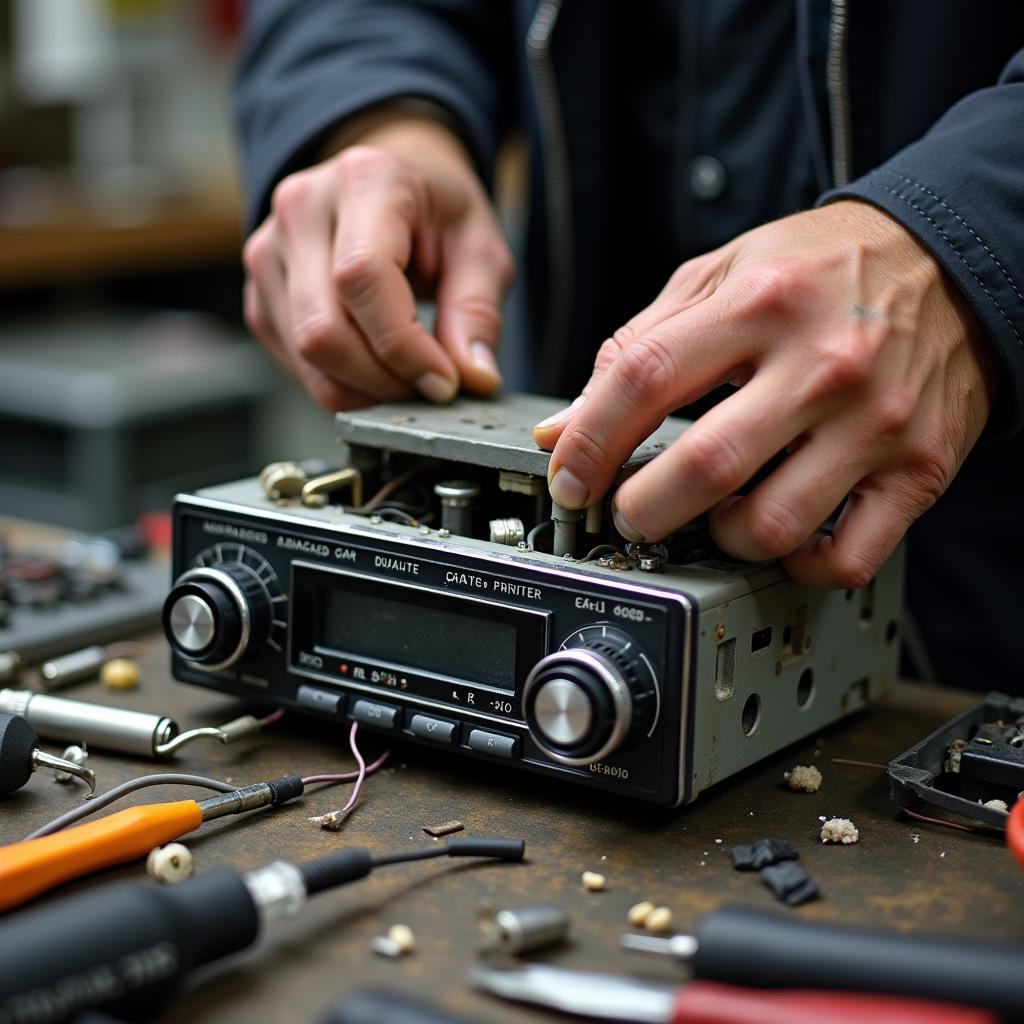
x=673 y=363
x=372 y=248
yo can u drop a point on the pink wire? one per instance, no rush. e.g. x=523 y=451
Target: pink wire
x=350 y=776
x=273 y=717
x=361 y=778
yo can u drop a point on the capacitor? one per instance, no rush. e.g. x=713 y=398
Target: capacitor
x=513 y=932
x=457 y=500
x=72 y=668
x=566 y=522
x=507 y=531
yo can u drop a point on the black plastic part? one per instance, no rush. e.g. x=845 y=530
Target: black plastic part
x=336 y=869
x=919 y=774
x=764 y=852
x=286 y=788
x=789 y=882
x=379 y=1006
x=17 y=741
x=763 y=950
x=501 y=849
x=120 y=949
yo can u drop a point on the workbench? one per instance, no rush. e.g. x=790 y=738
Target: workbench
x=902 y=875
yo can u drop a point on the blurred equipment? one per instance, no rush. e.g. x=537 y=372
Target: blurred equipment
x=114 y=415
x=145 y=940
x=764 y=950
x=605 y=997
x=20 y=756
x=647 y=670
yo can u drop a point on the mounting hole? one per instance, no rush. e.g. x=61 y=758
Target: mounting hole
x=892 y=631
x=805 y=688
x=849 y=595
x=487 y=426
x=750 y=719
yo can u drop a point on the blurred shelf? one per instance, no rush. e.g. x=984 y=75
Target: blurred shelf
x=82 y=247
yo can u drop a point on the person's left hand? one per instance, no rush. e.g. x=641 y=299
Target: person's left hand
x=852 y=351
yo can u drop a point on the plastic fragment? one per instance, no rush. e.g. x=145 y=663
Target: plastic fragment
x=790 y=883
x=761 y=854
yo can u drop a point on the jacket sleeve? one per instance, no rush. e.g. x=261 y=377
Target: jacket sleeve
x=960 y=190
x=306 y=65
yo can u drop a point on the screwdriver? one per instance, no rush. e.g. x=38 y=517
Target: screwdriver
x=36 y=865
x=20 y=756
x=124 y=948
x=763 y=950
x=606 y=997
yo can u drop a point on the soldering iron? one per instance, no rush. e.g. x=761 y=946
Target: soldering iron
x=125 y=948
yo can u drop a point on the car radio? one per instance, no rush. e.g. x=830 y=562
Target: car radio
x=426 y=587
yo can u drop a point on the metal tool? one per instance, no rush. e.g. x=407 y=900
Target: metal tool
x=607 y=997
x=525 y=930
x=131 y=732
x=762 y=949
x=33 y=866
x=20 y=756
x=125 y=948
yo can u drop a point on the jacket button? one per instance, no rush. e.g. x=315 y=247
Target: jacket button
x=707 y=178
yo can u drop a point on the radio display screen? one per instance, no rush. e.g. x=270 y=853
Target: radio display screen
x=443 y=641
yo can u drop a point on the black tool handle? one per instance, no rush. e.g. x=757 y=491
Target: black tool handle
x=120 y=949
x=17 y=741
x=764 y=950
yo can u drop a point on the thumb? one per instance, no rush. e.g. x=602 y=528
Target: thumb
x=475 y=276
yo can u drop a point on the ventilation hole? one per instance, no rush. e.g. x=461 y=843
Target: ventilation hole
x=892 y=631
x=849 y=595
x=725 y=669
x=787 y=637
x=751 y=717
x=805 y=688
x=760 y=639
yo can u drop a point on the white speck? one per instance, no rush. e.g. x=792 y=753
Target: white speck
x=821 y=817
x=604 y=856
x=719 y=841
x=943 y=854
x=915 y=837
x=751 y=813
x=817 y=753
x=703 y=863
x=705 y=853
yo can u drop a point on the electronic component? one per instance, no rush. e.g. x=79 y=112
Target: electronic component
x=764 y=950
x=973 y=758
x=514 y=932
x=20 y=756
x=145 y=940
x=112 y=728
x=651 y=671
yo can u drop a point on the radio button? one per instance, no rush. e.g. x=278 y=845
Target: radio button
x=370 y=712
x=426 y=728
x=321 y=700
x=494 y=743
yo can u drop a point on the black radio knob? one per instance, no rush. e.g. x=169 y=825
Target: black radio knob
x=215 y=615
x=581 y=703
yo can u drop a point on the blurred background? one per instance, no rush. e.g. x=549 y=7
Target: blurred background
x=125 y=371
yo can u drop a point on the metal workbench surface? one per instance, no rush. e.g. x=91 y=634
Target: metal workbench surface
x=902 y=874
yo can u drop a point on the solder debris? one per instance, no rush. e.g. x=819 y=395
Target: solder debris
x=804 y=778
x=997 y=805
x=593 y=881
x=436 y=831
x=839 y=830
x=659 y=920
x=638 y=913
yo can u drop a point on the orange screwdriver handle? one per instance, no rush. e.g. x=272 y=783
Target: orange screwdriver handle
x=710 y=1002
x=35 y=865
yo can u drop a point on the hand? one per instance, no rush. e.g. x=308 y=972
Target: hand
x=852 y=352
x=328 y=287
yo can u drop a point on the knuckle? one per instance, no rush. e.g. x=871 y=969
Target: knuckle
x=646 y=368
x=315 y=338
x=290 y=194
x=714 y=460
x=504 y=265
x=482 y=311
x=842 y=363
x=357 y=271
x=391 y=346
x=893 y=413
x=610 y=350
x=854 y=569
x=775 y=529
x=256 y=252
x=928 y=470
x=775 y=289
x=359 y=163
x=589 y=447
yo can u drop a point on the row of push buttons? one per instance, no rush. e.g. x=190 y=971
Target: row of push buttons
x=379 y=715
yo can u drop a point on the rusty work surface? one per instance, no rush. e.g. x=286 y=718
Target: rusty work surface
x=886 y=880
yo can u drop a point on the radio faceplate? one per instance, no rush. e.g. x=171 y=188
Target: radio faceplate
x=430 y=641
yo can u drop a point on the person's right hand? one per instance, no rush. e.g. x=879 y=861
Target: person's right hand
x=329 y=273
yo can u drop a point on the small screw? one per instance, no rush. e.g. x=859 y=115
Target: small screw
x=720 y=632
x=443 y=533
x=376 y=520
x=424 y=531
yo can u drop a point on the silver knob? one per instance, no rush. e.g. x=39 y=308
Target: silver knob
x=192 y=623
x=564 y=712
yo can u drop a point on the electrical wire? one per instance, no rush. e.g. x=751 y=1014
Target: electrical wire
x=373 y=766
x=274 y=716
x=97 y=803
x=601 y=549
x=858 y=764
x=536 y=532
x=389 y=488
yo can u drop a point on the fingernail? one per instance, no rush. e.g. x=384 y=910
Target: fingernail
x=567 y=491
x=481 y=356
x=624 y=527
x=560 y=416
x=436 y=387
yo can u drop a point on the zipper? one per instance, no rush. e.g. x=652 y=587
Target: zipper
x=838 y=85
x=555 y=163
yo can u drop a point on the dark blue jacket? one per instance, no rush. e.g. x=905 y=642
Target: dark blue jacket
x=750 y=109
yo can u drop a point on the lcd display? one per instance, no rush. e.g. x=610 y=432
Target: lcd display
x=443 y=641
